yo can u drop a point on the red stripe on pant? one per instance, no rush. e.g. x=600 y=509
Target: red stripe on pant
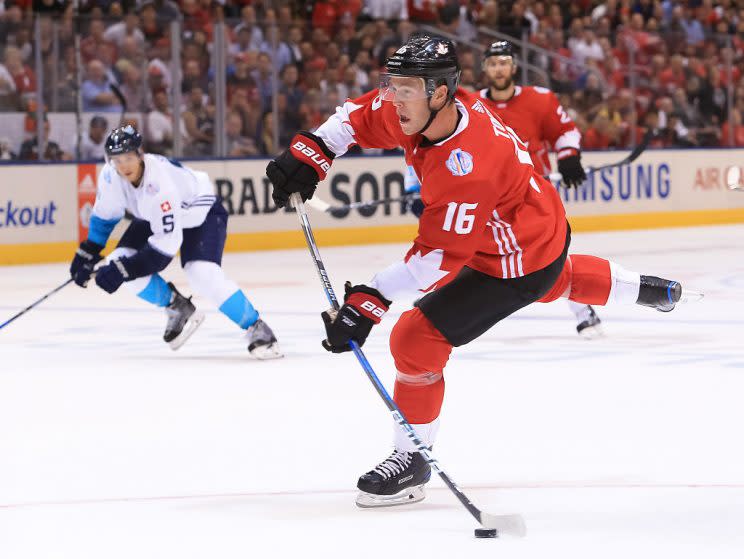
x=420 y=352
x=589 y=278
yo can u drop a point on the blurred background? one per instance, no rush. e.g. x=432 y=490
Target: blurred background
x=237 y=78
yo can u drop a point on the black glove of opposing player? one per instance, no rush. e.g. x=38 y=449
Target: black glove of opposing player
x=299 y=168
x=86 y=257
x=570 y=167
x=363 y=307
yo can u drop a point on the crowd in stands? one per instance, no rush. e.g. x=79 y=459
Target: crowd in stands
x=624 y=66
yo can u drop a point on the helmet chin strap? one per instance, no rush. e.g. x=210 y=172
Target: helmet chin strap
x=432 y=115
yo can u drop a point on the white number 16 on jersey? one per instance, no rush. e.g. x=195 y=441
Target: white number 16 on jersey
x=463 y=222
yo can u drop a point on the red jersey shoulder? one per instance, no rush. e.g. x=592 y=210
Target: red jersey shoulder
x=538 y=98
x=483 y=132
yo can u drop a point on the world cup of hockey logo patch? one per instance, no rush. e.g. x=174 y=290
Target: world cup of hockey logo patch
x=165 y=206
x=460 y=162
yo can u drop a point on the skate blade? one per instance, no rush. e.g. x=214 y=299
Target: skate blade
x=191 y=325
x=266 y=352
x=592 y=332
x=406 y=497
x=688 y=296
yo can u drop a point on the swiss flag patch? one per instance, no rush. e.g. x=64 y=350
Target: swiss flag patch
x=165 y=206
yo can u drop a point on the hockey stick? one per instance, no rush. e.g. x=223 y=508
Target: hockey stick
x=632 y=156
x=32 y=305
x=508 y=524
x=337 y=211
x=120 y=96
x=340 y=211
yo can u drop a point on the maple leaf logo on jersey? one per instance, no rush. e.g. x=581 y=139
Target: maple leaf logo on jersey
x=165 y=206
x=427 y=269
x=460 y=162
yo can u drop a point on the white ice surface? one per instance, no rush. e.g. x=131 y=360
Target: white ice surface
x=113 y=446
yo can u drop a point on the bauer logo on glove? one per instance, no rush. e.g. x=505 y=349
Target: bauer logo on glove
x=363 y=307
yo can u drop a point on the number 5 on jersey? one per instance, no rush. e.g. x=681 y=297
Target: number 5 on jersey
x=168 y=223
x=458 y=213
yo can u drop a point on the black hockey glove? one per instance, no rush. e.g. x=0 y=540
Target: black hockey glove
x=416 y=206
x=111 y=276
x=299 y=168
x=86 y=257
x=363 y=307
x=570 y=167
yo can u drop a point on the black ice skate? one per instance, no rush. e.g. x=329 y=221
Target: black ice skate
x=663 y=295
x=397 y=480
x=183 y=319
x=262 y=343
x=589 y=326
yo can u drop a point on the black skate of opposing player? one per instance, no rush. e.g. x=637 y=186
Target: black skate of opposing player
x=262 y=343
x=183 y=319
x=397 y=480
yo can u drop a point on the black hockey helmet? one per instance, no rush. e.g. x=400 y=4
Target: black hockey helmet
x=123 y=140
x=499 y=48
x=429 y=57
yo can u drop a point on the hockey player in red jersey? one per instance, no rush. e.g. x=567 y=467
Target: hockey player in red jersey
x=492 y=239
x=539 y=120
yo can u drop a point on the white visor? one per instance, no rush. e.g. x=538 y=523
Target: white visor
x=114 y=159
x=402 y=88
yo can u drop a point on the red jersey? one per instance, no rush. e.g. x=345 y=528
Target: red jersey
x=485 y=206
x=539 y=120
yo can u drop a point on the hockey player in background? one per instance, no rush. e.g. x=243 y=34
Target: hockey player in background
x=539 y=120
x=174 y=208
x=492 y=238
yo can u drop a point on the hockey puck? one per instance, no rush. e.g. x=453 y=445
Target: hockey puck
x=486 y=533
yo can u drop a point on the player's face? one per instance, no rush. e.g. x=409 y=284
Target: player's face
x=128 y=165
x=411 y=103
x=500 y=71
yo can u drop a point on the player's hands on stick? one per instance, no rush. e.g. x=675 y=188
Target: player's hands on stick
x=570 y=167
x=111 y=276
x=299 y=168
x=86 y=257
x=363 y=307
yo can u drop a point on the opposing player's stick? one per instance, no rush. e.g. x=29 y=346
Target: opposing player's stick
x=32 y=305
x=512 y=524
x=340 y=211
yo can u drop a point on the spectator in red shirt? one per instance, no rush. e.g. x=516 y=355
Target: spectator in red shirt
x=738 y=131
x=325 y=15
x=23 y=77
x=599 y=135
x=674 y=76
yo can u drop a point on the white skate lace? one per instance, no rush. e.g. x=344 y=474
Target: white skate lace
x=393 y=465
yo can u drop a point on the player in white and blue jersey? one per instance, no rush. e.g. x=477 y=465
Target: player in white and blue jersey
x=174 y=208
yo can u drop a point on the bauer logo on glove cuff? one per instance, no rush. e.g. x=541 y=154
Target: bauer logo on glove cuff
x=317 y=158
x=370 y=307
